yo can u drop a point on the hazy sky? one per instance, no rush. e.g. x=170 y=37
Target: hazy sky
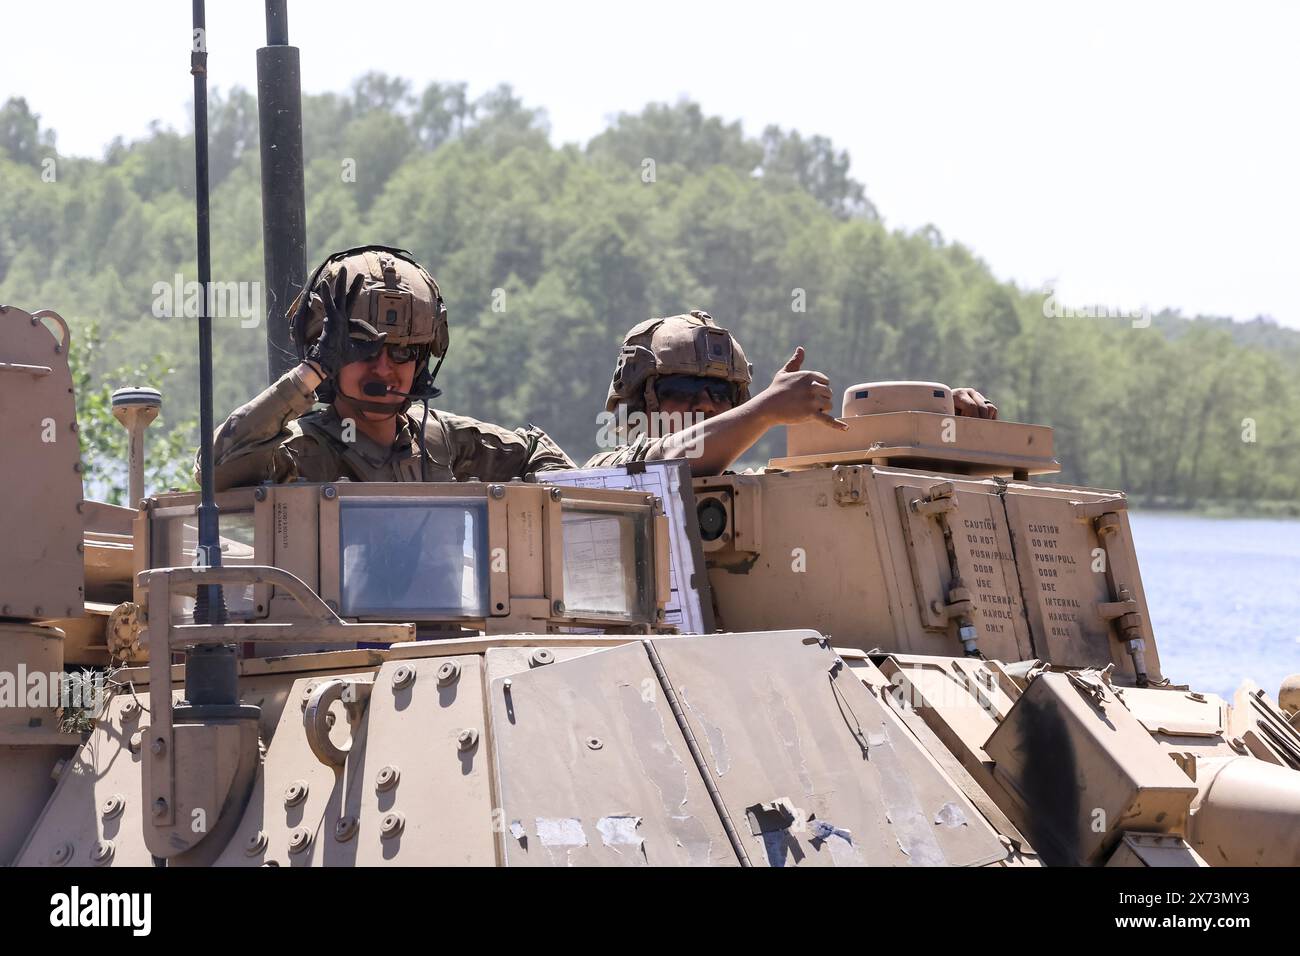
x=1135 y=153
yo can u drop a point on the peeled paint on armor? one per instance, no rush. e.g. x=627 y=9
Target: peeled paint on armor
x=275 y=438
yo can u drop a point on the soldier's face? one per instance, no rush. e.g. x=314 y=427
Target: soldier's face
x=354 y=377
x=680 y=395
x=701 y=404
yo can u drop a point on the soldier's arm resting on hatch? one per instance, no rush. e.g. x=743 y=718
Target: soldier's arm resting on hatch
x=248 y=446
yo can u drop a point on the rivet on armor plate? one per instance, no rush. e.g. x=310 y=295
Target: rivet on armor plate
x=295 y=793
x=131 y=710
x=345 y=828
x=256 y=843
x=102 y=853
x=387 y=778
x=61 y=855
x=541 y=657
x=594 y=743
x=113 y=806
x=496 y=491
x=299 y=839
x=467 y=739
x=448 y=673
x=403 y=677
x=391 y=825
x=556 y=494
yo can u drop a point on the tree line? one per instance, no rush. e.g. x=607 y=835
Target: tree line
x=548 y=253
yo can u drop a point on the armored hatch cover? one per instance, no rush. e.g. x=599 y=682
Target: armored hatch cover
x=760 y=748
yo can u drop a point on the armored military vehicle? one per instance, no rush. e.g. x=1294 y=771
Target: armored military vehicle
x=925 y=658
x=916 y=649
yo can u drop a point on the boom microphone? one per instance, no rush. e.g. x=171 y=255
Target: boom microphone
x=379 y=390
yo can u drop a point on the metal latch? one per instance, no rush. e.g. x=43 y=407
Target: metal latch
x=1092 y=684
x=939 y=500
x=848 y=485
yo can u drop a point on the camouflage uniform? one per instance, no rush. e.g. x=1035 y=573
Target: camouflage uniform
x=277 y=437
x=642 y=449
x=690 y=344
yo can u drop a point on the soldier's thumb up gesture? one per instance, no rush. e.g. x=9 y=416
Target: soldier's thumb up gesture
x=796 y=395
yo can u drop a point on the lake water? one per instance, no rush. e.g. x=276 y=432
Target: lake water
x=1224 y=596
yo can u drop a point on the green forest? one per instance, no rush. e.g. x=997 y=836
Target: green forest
x=548 y=253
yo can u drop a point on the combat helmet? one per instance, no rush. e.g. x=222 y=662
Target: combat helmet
x=399 y=297
x=690 y=344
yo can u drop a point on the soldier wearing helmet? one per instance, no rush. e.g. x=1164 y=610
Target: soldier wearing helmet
x=366 y=326
x=686 y=365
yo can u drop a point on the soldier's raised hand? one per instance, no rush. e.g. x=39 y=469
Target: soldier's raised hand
x=336 y=347
x=799 y=395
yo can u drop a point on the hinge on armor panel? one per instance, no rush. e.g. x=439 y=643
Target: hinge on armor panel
x=1124 y=609
x=939 y=501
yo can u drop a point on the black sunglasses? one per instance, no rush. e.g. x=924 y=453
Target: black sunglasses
x=399 y=354
x=688 y=387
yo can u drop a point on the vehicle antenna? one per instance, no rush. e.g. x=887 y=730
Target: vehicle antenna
x=210 y=670
x=284 y=206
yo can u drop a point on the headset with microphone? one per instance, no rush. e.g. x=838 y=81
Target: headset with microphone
x=422 y=387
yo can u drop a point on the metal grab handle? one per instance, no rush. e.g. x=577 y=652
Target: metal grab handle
x=53 y=317
x=184 y=579
x=37 y=370
x=316 y=726
x=323 y=624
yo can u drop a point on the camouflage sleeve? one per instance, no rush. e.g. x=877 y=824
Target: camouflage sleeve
x=249 y=446
x=642 y=449
x=492 y=453
x=544 y=454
